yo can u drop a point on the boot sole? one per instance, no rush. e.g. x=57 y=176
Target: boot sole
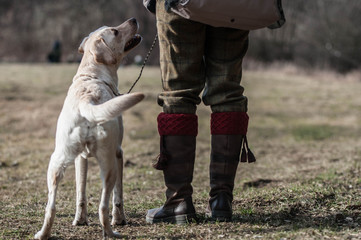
x=179 y=219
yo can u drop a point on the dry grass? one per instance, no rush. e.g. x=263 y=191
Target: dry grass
x=304 y=128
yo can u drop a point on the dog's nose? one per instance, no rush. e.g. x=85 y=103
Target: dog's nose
x=133 y=20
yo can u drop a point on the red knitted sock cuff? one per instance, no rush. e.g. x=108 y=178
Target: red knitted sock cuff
x=177 y=124
x=229 y=123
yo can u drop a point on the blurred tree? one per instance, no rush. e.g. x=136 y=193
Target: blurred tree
x=318 y=33
x=29 y=28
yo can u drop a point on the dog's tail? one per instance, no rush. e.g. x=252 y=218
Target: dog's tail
x=111 y=109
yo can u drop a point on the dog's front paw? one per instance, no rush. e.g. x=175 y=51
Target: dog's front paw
x=40 y=235
x=118 y=216
x=81 y=215
x=81 y=222
x=121 y=222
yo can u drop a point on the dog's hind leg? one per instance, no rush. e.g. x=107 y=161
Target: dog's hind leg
x=81 y=169
x=57 y=166
x=108 y=175
x=118 y=204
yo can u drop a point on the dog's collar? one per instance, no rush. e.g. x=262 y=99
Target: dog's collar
x=86 y=77
x=113 y=88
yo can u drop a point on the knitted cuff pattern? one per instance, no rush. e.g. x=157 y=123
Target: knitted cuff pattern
x=229 y=123
x=177 y=124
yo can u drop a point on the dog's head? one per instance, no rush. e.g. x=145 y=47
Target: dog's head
x=109 y=45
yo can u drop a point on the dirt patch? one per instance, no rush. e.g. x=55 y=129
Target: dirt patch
x=258 y=183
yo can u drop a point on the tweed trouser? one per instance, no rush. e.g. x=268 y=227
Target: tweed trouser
x=196 y=57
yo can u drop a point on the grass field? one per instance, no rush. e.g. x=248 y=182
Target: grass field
x=305 y=130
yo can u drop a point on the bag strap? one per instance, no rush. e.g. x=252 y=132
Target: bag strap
x=282 y=20
x=150 y=5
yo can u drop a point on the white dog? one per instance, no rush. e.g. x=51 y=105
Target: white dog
x=90 y=124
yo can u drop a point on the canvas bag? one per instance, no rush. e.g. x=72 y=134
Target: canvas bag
x=239 y=14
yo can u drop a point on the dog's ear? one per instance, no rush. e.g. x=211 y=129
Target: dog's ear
x=102 y=53
x=82 y=45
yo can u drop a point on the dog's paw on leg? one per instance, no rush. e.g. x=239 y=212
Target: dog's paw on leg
x=41 y=236
x=80 y=222
x=119 y=222
x=118 y=219
x=118 y=215
x=81 y=215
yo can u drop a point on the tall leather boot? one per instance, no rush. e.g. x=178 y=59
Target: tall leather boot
x=177 y=153
x=229 y=139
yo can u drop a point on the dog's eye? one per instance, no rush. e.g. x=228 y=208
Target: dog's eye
x=115 y=32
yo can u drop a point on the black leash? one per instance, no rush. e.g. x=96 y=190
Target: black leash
x=145 y=61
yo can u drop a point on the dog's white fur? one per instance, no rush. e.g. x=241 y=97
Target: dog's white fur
x=90 y=124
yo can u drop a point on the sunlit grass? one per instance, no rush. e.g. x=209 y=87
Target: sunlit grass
x=304 y=130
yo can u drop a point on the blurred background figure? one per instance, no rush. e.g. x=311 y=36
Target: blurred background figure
x=55 y=55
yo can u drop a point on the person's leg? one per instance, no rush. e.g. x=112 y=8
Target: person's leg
x=225 y=49
x=224 y=52
x=228 y=140
x=181 y=45
x=178 y=143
